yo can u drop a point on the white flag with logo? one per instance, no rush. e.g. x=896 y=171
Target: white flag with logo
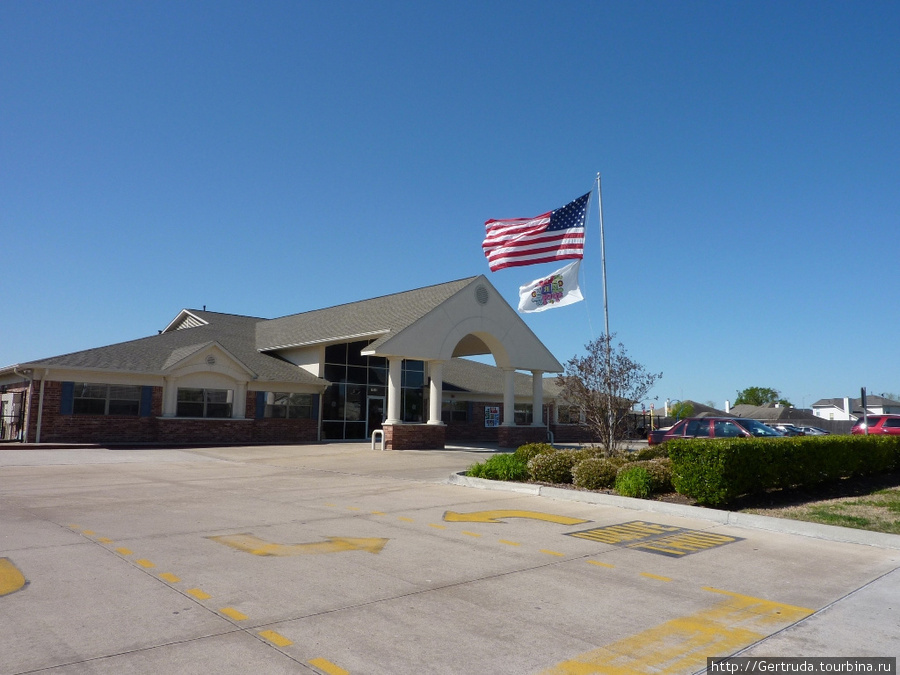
x=555 y=290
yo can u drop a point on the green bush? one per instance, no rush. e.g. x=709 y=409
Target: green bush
x=589 y=452
x=633 y=481
x=650 y=452
x=717 y=471
x=552 y=467
x=659 y=470
x=500 y=467
x=529 y=450
x=596 y=473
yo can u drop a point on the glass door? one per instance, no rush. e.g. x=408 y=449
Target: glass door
x=375 y=414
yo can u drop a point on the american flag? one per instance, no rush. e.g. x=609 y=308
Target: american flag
x=556 y=235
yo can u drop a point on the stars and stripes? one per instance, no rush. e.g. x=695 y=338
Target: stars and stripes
x=557 y=235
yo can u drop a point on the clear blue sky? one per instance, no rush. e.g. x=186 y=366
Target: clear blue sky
x=271 y=158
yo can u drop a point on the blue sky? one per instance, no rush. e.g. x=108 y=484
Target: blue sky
x=271 y=158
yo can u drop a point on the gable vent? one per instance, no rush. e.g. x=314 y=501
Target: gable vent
x=481 y=294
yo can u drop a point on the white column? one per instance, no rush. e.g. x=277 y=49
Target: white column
x=537 y=398
x=239 y=405
x=435 y=392
x=170 y=397
x=393 y=402
x=509 y=397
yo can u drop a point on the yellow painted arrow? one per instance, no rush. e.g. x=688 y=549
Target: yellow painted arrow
x=253 y=544
x=497 y=516
x=11 y=579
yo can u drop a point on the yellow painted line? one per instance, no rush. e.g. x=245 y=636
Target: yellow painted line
x=104 y=540
x=168 y=576
x=88 y=532
x=682 y=645
x=11 y=579
x=405 y=519
x=377 y=513
x=655 y=576
x=437 y=527
x=599 y=564
x=549 y=552
x=250 y=543
x=328 y=667
x=231 y=612
x=498 y=515
x=470 y=534
x=353 y=508
x=331 y=505
x=510 y=543
x=197 y=593
x=124 y=551
x=72 y=526
x=276 y=638
x=143 y=562
x=616 y=534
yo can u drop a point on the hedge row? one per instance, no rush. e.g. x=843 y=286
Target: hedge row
x=717 y=471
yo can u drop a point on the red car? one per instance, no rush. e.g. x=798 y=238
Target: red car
x=712 y=427
x=878 y=424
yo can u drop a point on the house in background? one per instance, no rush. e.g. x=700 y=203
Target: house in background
x=393 y=363
x=850 y=409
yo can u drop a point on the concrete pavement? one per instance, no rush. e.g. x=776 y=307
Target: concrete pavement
x=335 y=558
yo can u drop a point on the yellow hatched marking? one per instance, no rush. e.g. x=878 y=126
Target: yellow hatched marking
x=470 y=534
x=276 y=638
x=104 y=540
x=328 y=667
x=231 y=612
x=88 y=532
x=11 y=579
x=510 y=543
x=124 y=551
x=405 y=519
x=377 y=513
x=549 y=552
x=437 y=527
x=197 y=593
x=655 y=576
x=143 y=562
x=599 y=564
x=616 y=534
x=682 y=645
x=168 y=576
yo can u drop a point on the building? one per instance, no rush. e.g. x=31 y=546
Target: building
x=850 y=409
x=392 y=363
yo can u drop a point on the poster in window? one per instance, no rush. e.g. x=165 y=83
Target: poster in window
x=492 y=416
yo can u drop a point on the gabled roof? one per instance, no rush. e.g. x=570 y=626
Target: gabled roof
x=770 y=412
x=464 y=375
x=156 y=354
x=872 y=401
x=379 y=317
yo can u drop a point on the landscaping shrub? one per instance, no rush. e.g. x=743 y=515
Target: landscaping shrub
x=717 y=471
x=589 y=452
x=596 y=473
x=552 y=467
x=529 y=450
x=500 y=467
x=633 y=481
x=650 y=452
x=659 y=470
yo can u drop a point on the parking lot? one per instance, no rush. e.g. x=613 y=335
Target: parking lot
x=335 y=558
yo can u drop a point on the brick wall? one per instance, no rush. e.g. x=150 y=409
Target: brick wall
x=413 y=436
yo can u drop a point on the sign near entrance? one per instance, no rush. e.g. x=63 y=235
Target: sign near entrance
x=492 y=416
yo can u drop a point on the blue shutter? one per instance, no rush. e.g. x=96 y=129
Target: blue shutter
x=67 y=398
x=146 y=401
x=260 y=404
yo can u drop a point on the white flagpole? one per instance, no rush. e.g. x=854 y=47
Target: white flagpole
x=603 y=258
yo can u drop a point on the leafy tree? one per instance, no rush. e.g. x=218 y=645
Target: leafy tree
x=681 y=409
x=605 y=383
x=761 y=396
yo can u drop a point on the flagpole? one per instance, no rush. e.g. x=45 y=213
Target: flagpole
x=603 y=257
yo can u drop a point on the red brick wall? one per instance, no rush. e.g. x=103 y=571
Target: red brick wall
x=513 y=437
x=413 y=436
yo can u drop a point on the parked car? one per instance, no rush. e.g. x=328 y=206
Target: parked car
x=713 y=427
x=788 y=429
x=878 y=424
x=814 y=431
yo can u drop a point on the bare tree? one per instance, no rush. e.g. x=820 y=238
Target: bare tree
x=605 y=383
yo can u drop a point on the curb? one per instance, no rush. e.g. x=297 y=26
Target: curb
x=750 y=520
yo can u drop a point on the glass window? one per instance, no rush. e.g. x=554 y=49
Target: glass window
x=204 y=403
x=569 y=414
x=289 y=406
x=726 y=429
x=523 y=413
x=454 y=411
x=697 y=428
x=106 y=399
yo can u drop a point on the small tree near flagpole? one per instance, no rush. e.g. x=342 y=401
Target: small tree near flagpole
x=605 y=383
